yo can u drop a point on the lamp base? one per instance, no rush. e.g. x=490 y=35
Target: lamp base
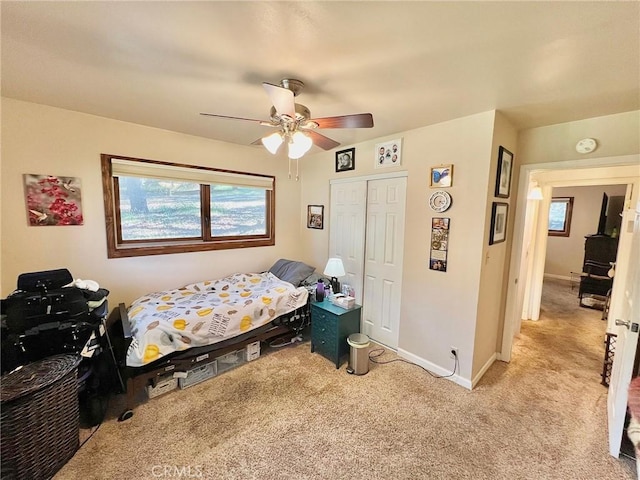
x=335 y=285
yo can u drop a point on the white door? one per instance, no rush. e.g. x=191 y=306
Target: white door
x=383 y=260
x=626 y=341
x=346 y=234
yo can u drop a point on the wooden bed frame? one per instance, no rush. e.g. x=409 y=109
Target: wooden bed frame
x=135 y=379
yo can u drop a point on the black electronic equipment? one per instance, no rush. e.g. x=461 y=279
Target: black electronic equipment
x=48 y=315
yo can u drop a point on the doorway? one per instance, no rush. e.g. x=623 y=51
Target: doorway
x=582 y=243
x=529 y=253
x=578 y=273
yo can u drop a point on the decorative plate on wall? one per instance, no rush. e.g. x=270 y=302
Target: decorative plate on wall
x=440 y=201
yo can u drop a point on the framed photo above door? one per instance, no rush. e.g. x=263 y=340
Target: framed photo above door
x=346 y=160
x=388 y=154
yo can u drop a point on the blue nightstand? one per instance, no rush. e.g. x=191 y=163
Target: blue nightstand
x=330 y=327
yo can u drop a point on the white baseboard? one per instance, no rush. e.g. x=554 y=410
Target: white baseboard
x=435 y=369
x=483 y=370
x=559 y=277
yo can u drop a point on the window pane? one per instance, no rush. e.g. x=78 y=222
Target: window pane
x=557 y=215
x=237 y=211
x=154 y=209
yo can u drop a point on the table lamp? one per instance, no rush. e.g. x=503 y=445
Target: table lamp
x=334 y=269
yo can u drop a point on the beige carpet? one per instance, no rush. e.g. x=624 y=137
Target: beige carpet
x=292 y=415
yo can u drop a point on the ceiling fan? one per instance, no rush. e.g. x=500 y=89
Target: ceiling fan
x=294 y=123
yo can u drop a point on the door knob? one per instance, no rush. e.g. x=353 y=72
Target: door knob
x=624 y=323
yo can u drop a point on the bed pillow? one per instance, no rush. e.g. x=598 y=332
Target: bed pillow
x=291 y=271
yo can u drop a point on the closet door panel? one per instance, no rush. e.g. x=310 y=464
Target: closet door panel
x=347 y=231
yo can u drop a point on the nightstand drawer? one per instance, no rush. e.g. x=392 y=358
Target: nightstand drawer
x=326 y=347
x=324 y=336
x=327 y=320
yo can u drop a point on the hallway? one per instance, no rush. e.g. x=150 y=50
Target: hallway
x=564 y=352
x=580 y=331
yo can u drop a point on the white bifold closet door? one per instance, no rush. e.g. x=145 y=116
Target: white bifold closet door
x=347 y=230
x=367 y=232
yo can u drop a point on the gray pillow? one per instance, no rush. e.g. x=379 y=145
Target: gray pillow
x=291 y=271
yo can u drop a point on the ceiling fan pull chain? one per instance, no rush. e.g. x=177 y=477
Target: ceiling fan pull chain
x=297 y=169
x=289 y=168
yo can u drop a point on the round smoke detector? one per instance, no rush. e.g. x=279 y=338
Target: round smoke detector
x=586 y=145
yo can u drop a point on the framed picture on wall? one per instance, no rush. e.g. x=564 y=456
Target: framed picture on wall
x=499 y=212
x=439 y=244
x=503 y=176
x=315 y=216
x=52 y=200
x=346 y=160
x=388 y=154
x=441 y=176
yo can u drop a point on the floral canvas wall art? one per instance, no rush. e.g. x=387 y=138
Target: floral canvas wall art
x=53 y=200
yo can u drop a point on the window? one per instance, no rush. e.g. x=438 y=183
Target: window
x=560 y=216
x=154 y=207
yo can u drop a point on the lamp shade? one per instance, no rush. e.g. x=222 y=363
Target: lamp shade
x=272 y=142
x=299 y=145
x=535 y=193
x=334 y=268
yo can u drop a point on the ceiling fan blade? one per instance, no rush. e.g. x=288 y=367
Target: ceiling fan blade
x=281 y=98
x=359 y=120
x=232 y=118
x=321 y=141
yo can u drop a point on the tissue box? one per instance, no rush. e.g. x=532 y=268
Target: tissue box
x=344 y=302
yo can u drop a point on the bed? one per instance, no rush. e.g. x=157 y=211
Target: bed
x=167 y=332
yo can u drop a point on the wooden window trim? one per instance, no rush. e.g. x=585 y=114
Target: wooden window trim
x=117 y=248
x=566 y=231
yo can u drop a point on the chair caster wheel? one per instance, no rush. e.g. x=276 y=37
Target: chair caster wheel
x=126 y=415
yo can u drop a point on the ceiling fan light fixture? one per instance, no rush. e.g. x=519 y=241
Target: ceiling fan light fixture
x=272 y=142
x=299 y=145
x=294 y=124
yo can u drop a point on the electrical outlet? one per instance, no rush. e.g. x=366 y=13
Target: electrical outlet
x=453 y=352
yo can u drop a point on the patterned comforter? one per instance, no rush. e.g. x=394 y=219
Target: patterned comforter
x=206 y=312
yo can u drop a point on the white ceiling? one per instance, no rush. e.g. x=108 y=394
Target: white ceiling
x=410 y=64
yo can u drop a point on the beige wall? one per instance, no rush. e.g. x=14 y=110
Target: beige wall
x=566 y=254
x=438 y=309
x=616 y=135
x=463 y=307
x=44 y=140
x=495 y=258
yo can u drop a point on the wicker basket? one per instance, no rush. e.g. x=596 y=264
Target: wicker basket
x=39 y=418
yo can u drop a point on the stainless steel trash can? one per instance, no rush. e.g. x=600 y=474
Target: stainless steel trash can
x=359 y=353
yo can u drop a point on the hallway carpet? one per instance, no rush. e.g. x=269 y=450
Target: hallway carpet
x=292 y=415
